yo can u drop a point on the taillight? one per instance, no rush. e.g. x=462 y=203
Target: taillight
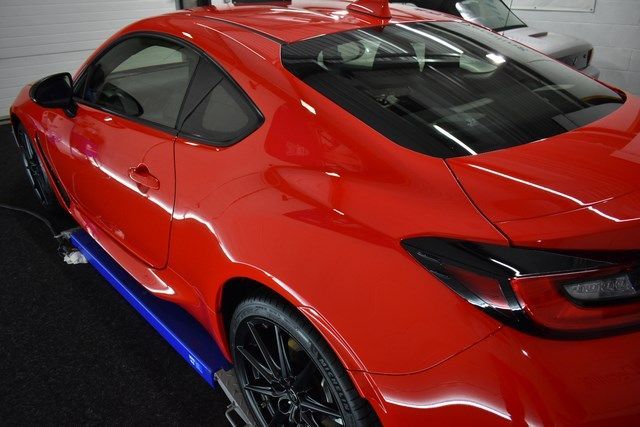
x=538 y=291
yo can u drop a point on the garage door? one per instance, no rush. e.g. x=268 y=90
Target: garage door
x=42 y=37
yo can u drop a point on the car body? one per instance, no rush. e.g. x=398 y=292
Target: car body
x=315 y=200
x=496 y=15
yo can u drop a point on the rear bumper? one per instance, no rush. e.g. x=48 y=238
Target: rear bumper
x=511 y=377
x=591 y=71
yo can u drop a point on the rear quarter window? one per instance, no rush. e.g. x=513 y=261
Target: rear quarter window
x=223 y=117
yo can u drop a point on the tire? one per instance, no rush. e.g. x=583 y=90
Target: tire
x=315 y=383
x=36 y=173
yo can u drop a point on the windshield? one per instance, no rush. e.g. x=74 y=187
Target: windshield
x=492 y=14
x=448 y=88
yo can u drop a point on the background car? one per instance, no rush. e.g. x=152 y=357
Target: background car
x=497 y=16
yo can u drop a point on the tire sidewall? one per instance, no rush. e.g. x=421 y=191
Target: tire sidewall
x=297 y=327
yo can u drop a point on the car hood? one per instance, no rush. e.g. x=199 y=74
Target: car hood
x=552 y=44
x=582 y=187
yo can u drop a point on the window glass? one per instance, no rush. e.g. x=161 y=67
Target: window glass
x=223 y=117
x=78 y=86
x=448 y=88
x=493 y=14
x=142 y=77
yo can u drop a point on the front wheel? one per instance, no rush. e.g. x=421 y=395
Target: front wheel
x=288 y=374
x=38 y=177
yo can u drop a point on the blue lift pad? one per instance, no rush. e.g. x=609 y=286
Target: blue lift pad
x=179 y=328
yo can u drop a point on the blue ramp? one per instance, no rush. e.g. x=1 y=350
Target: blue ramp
x=175 y=325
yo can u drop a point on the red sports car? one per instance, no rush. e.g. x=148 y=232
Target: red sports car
x=381 y=214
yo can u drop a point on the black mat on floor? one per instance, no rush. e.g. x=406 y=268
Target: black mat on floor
x=72 y=351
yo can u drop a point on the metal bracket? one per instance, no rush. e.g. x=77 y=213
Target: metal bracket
x=229 y=384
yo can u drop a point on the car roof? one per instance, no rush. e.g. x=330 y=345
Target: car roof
x=301 y=19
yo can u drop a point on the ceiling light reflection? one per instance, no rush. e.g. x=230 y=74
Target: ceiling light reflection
x=454 y=139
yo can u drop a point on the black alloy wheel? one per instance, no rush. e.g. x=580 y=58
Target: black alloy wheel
x=288 y=375
x=38 y=177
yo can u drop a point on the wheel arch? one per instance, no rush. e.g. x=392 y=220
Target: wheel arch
x=236 y=289
x=14 y=119
x=232 y=293
x=24 y=112
x=14 y=122
x=23 y=119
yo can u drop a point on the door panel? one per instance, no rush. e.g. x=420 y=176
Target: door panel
x=121 y=144
x=105 y=150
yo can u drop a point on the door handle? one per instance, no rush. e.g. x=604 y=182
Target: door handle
x=141 y=176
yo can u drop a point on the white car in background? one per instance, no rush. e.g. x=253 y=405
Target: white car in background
x=497 y=16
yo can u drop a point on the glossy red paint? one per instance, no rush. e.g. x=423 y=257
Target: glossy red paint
x=311 y=19
x=377 y=8
x=539 y=194
x=314 y=204
x=510 y=379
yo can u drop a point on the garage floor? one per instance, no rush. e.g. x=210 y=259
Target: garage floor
x=72 y=351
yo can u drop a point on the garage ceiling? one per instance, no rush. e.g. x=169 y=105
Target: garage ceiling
x=42 y=37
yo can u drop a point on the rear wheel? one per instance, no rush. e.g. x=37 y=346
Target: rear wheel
x=36 y=173
x=288 y=374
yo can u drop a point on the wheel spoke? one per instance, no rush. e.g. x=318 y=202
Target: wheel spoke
x=285 y=365
x=271 y=364
x=315 y=406
x=266 y=403
x=257 y=365
x=29 y=148
x=304 y=377
x=267 y=391
x=278 y=420
x=290 y=374
x=307 y=418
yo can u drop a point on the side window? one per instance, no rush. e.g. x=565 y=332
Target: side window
x=224 y=115
x=143 y=77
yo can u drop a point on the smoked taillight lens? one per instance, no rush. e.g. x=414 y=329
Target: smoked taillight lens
x=538 y=291
x=594 y=300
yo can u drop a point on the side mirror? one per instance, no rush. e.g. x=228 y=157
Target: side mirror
x=55 y=91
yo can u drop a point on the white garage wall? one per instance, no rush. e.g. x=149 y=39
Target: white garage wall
x=42 y=37
x=613 y=29
x=574 y=5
